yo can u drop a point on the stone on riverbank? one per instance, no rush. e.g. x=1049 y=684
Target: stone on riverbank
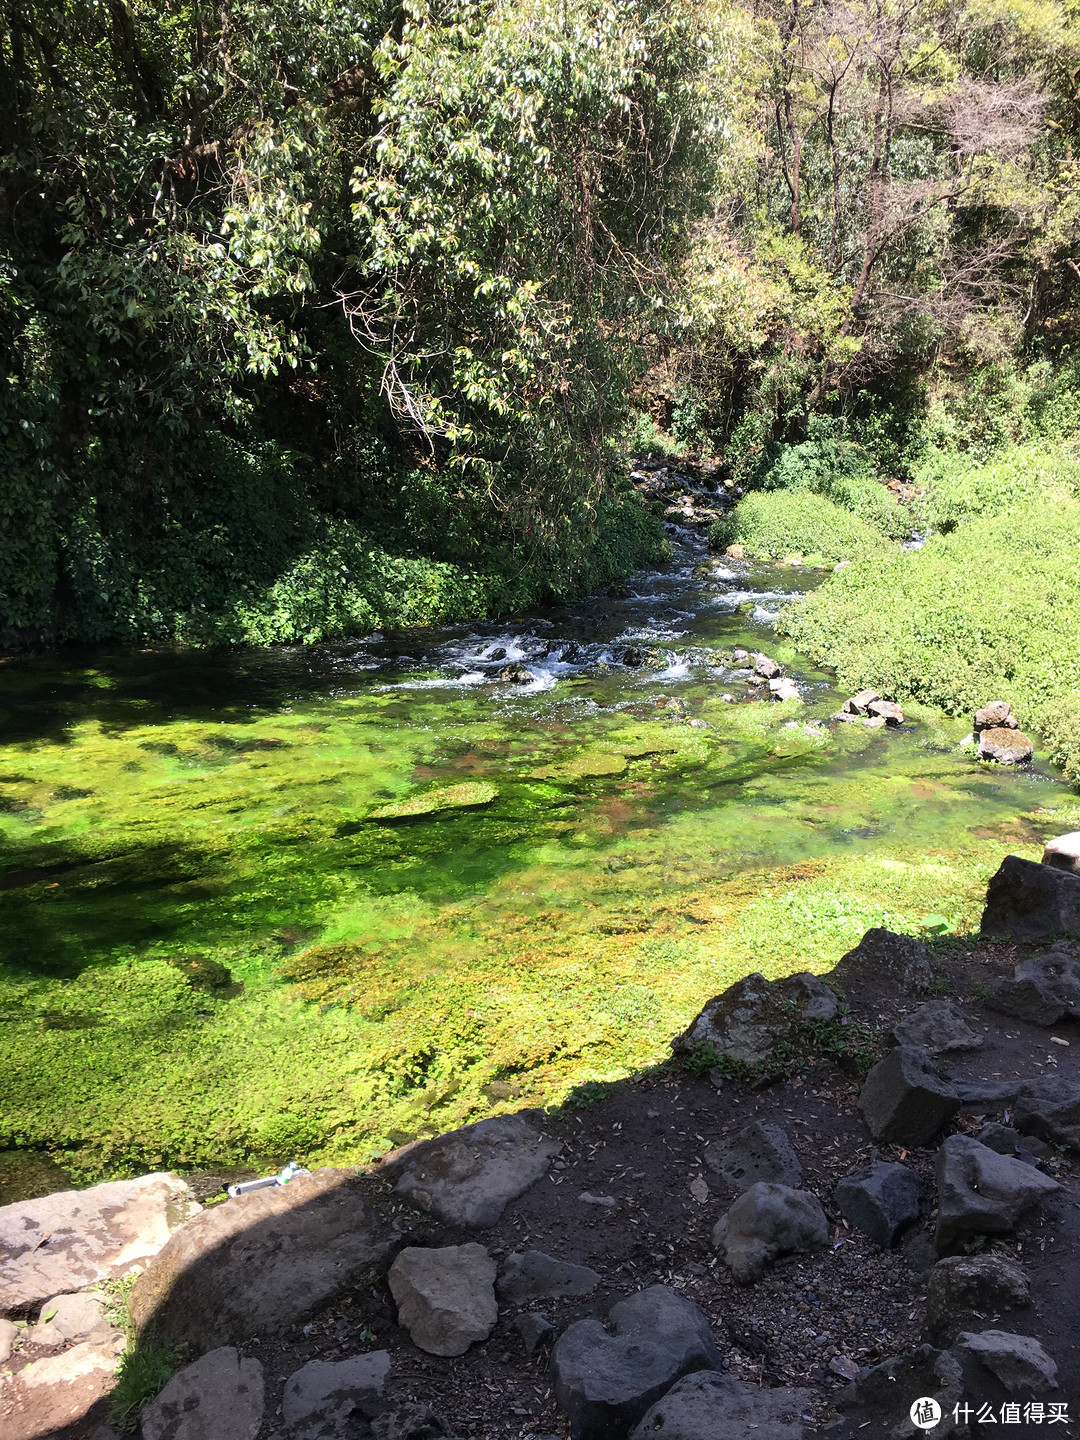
x=1049 y=1108
x=981 y=1192
x=1029 y=901
x=964 y=1289
x=756 y=1152
x=938 y=1026
x=881 y=954
x=1063 y=853
x=746 y=1020
x=533 y=1275
x=880 y=1199
x=903 y=1101
x=860 y=704
x=1018 y=1361
x=707 y=1406
x=765 y=1222
x=219 y=1397
x=1043 y=989
x=445 y=1297
x=995 y=716
x=1005 y=747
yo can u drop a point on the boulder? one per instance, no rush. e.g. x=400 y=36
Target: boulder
x=756 y=1152
x=1043 y=989
x=220 y=1397
x=995 y=716
x=1018 y=1361
x=331 y=1392
x=1049 y=1108
x=1064 y=852
x=747 y=1020
x=445 y=1297
x=879 y=1402
x=256 y=1264
x=1005 y=747
x=887 y=710
x=783 y=689
x=880 y=1200
x=48 y=1395
x=965 y=1289
x=1007 y=1141
x=1028 y=901
x=767 y=1221
x=882 y=954
x=469 y=1176
x=860 y=704
x=707 y=1406
x=938 y=1026
x=981 y=1192
x=535 y=1330
x=74 y=1238
x=606 y=1377
x=532 y=1275
x=766 y=668
x=79 y=1315
x=903 y=1101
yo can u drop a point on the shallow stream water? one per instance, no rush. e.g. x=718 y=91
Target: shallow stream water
x=265 y=905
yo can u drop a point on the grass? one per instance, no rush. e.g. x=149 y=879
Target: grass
x=778 y=524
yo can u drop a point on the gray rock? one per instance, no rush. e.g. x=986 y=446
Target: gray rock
x=1064 y=852
x=984 y=1093
x=219 y=1397
x=964 y=1290
x=605 y=1382
x=410 y=1421
x=74 y=1238
x=1049 y=1108
x=606 y=1202
x=532 y=1275
x=1007 y=1141
x=783 y=689
x=469 y=1176
x=883 y=1394
x=938 y=1026
x=756 y=1152
x=747 y=1020
x=707 y=1406
x=1005 y=746
x=76 y=1316
x=903 y=1101
x=882 y=954
x=44 y=1336
x=997 y=715
x=8 y=1333
x=1018 y=1361
x=257 y=1264
x=767 y=1221
x=766 y=668
x=1028 y=901
x=880 y=1200
x=445 y=1297
x=981 y=1192
x=1043 y=989
x=535 y=1330
x=334 y=1390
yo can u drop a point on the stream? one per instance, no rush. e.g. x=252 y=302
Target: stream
x=311 y=903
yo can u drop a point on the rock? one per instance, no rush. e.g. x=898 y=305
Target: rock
x=880 y=1200
x=52 y=1393
x=1006 y=747
x=533 y=1275
x=767 y=1221
x=1064 y=852
x=334 y=1391
x=1028 y=901
x=766 y=668
x=736 y=552
x=879 y=954
x=748 y=1018
x=1043 y=989
x=44 y=1336
x=981 y=1192
x=605 y=1382
x=888 y=711
x=606 y=1202
x=8 y=1334
x=884 y=1393
x=514 y=674
x=445 y=1297
x=257 y=1264
x=756 y=1152
x=845 y=1367
x=469 y=1176
x=75 y=1316
x=965 y=1289
x=903 y=1101
x=220 y=1397
x=535 y=1330
x=1049 y=1108
x=1007 y=1141
x=938 y=1026
x=633 y=656
x=1018 y=1361
x=410 y=1421
x=860 y=704
x=707 y=1406
x=995 y=716
x=73 y=1238
x=874 y=722
x=783 y=689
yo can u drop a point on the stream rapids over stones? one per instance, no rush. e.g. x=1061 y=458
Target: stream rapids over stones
x=320 y=905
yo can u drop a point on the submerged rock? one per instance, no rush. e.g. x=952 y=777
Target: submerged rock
x=1029 y=901
x=469 y=795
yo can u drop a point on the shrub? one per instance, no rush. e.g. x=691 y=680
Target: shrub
x=988 y=611
x=959 y=491
x=796 y=522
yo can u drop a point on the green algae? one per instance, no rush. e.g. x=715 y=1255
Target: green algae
x=466 y=796
x=387 y=981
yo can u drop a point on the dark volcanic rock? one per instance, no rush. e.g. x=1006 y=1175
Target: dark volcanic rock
x=967 y=1290
x=938 y=1026
x=981 y=1192
x=879 y=1199
x=1049 y=1108
x=707 y=1406
x=767 y=1221
x=532 y=1275
x=746 y=1020
x=883 y=1395
x=903 y=1101
x=1018 y=1361
x=1044 y=988
x=881 y=954
x=756 y=1152
x=605 y=1382
x=1028 y=901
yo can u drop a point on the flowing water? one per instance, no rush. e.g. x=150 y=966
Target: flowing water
x=308 y=904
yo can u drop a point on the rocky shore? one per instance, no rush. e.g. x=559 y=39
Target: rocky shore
x=844 y=1193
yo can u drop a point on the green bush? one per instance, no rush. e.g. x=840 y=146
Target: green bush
x=796 y=522
x=958 y=490
x=990 y=611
